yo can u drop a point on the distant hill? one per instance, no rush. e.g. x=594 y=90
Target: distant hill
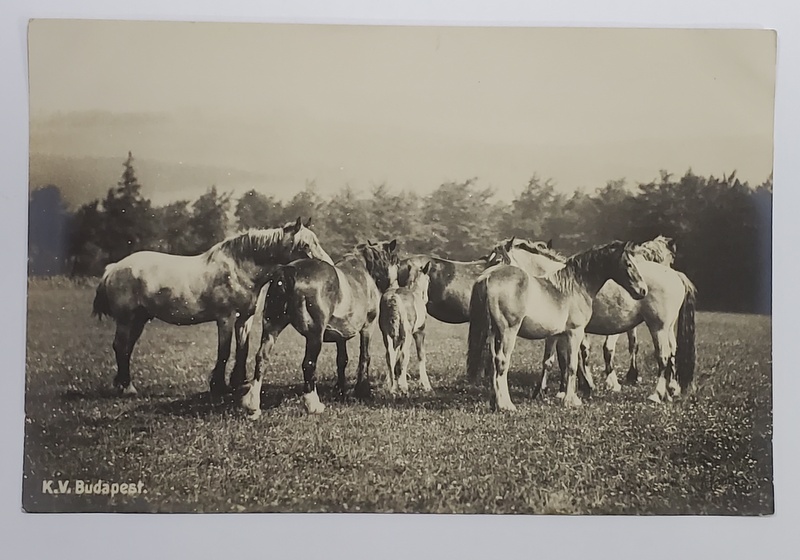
x=87 y=178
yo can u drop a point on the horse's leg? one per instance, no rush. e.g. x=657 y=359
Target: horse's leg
x=310 y=396
x=272 y=328
x=128 y=332
x=633 y=347
x=341 y=365
x=405 y=357
x=585 y=377
x=391 y=360
x=363 y=388
x=561 y=354
x=673 y=386
x=609 y=349
x=225 y=335
x=419 y=340
x=502 y=347
x=242 y=329
x=572 y=341
x=666 y=364
x=547 y=362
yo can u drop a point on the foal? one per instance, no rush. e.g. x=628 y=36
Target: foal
x=403 y=313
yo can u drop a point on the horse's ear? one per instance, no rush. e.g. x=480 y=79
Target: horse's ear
x=298 y=224
x=550 y=244
x=308 y=222
x=427 y=268
x=392 y=245
x=510 y=243
x=370 y=243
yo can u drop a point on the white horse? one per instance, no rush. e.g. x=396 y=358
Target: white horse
x=668 y=306
x=222 y=285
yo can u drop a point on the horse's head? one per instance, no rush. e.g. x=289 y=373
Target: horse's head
x=498 y=255
x=302 y=243
x=382 y=261
x=626 y=273
x=660 y=249
x=420 y=280
x=409 y=268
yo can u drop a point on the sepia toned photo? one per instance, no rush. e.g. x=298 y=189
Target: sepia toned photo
x=340 y=268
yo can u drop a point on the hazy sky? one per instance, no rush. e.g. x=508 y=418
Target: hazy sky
x=410 y=106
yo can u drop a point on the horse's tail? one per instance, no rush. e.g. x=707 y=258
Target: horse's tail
x=685 y=351
x=480 y=329
x=276 y=302
x=101 y=305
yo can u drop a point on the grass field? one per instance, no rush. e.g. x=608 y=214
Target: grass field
x=619 y=454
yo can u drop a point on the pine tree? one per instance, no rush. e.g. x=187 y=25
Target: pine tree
x=128 y=217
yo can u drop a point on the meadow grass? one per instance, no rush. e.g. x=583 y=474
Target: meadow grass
x=444 y=452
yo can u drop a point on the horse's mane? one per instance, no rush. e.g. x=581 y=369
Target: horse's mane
x=249 y=245
x=539 y=249
x=577 y=266
x=658 y=250
x=376 y=259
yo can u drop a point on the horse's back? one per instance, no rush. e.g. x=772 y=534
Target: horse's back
x=172 y=288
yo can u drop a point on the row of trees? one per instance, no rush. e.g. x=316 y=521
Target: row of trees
x=722 y=227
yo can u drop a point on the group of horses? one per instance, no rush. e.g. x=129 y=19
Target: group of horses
x=521 y=289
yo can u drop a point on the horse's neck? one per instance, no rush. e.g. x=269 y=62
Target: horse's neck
x=589 y=277
x=419 y=291
x=245 y=269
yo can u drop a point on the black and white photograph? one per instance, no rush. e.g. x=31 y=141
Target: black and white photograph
x=303 y=268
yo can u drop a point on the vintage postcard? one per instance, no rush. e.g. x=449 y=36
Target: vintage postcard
x=337 y=268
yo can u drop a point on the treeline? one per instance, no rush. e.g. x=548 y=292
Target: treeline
x=722 y=227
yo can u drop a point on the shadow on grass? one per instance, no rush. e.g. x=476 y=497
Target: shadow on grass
x=459 y=394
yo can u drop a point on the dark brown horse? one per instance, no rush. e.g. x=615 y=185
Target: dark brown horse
x=220 y=285
x=325 y=303
x=450 y=284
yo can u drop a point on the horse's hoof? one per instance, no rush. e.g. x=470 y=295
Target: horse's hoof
x=129 y=391
x=613 y=386
x=312 y=404
x=219 y=390
x=507 y=407
x=317 y=408
x=560 y=395
x=253 y=414
x=427 y=388
x=654 y=398
x=573 y=402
